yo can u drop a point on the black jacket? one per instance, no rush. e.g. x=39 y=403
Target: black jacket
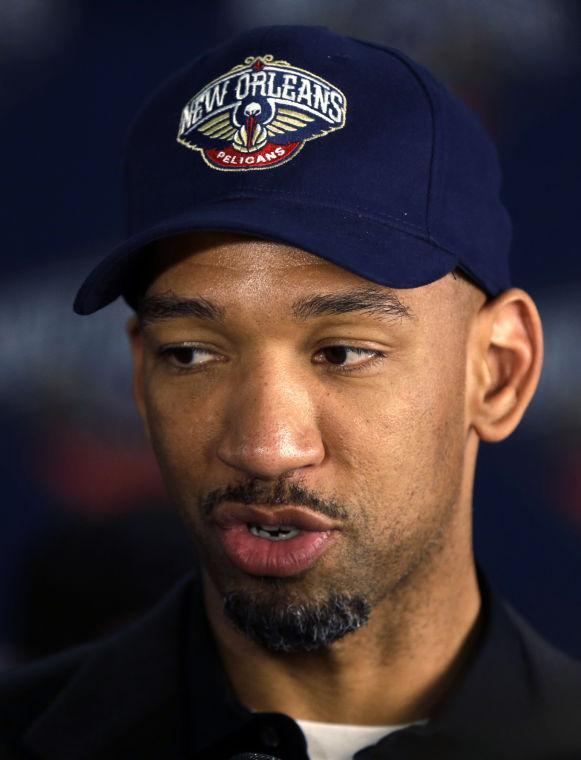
x=156 y=690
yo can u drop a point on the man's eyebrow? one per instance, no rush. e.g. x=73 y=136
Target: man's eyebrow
x=168 y=305
x=380 y=303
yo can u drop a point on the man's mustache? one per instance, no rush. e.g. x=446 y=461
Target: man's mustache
x=282 y=493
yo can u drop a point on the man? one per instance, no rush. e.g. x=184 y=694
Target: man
x=324 y=331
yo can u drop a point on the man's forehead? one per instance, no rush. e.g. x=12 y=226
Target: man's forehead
x=235 y=251
x=229 y=264
x=198 y=274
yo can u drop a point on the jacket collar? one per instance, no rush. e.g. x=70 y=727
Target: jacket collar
x=495 y=687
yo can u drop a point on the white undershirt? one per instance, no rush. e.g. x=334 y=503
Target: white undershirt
x=337 y=741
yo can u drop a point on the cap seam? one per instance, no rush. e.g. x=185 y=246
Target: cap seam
x=415 y=232
x=313 y=201
x=428 y=96
x=410 y=67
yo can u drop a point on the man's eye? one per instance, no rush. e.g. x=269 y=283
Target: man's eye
x=185 y=357
x=338 y=356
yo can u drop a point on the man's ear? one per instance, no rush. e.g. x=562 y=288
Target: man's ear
x=504 y=363
x=135 y=336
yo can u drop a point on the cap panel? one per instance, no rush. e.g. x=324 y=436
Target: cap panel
x=465 y=213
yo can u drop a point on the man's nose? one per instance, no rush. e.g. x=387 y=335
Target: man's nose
x=270 y=426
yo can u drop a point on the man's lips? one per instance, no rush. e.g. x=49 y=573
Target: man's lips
x=257 y=554
x=228 y=514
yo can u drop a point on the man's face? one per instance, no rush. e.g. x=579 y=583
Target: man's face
x=354 y=416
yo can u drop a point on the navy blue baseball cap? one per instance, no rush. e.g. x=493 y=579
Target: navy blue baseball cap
x=342 y=148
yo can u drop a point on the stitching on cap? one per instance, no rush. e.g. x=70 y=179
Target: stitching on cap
x=428 y=95
x=312 y=201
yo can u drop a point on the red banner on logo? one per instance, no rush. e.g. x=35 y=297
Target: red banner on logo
x=271 y=154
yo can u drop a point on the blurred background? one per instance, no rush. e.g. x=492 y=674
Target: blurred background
x=87 y=538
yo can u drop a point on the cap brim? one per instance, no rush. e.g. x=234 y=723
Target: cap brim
x=378 y=250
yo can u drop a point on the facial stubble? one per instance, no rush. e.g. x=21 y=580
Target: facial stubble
x=326 y=603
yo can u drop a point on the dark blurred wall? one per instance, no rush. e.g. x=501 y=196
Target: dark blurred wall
x=72 y=75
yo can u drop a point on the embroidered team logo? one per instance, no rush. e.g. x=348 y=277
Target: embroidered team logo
x=260 y=114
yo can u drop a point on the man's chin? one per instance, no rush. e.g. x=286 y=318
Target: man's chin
x=282 y=625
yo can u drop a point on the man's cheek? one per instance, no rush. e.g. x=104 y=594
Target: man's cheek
x=169 y=407
x=169 y=428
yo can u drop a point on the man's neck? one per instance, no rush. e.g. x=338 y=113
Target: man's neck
x=394 y=670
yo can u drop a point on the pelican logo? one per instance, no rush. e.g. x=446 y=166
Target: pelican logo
x=259 y=115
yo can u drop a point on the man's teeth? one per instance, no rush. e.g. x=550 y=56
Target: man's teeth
x=274 y=533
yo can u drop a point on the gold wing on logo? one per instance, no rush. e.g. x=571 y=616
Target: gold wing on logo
x=219 y=127
x=287 y=120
